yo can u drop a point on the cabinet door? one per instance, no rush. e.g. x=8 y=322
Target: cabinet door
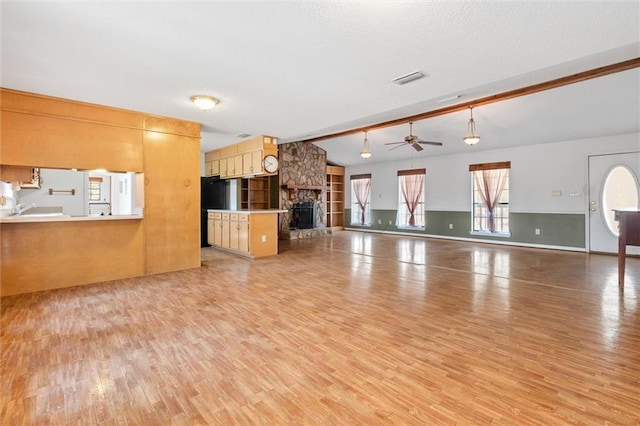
x=224 y=171
x=211 y=231
x=243 y=233
x=237 y=166
x=216 y=230
x=215 y=167
x=252 y=162
x=233 y=231
x=225 y=230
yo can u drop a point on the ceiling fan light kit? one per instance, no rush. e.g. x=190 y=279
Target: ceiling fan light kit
x=472 y=137
x=365 y=153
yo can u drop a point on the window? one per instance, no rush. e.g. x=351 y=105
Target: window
x=95 y=187
x=620 y=191
x=410 y=198
x=490 y=197
x=361 y=199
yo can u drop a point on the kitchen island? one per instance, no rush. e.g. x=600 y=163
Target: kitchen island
x=252 y=233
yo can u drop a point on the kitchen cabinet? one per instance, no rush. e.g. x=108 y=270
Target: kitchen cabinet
x=224 y=226
x=252 y=163
x=239 y=232
x=240 y=159
x=248 y=233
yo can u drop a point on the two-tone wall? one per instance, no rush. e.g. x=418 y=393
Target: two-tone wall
x=537 y=173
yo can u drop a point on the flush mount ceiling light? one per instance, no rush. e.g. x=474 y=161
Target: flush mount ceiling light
x=365 y=153
x=204 y=102
x=472 y=137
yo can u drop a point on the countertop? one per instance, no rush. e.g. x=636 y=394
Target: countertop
x=64 y=218
x=247 y=211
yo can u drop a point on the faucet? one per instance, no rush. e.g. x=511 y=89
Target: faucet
x=21 y=208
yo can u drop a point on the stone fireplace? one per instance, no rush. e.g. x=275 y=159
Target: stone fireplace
x=303 y=181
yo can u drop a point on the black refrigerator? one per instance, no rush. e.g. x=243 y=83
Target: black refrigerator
x=213 y=195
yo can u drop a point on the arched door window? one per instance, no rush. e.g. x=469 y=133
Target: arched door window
x=620 y=191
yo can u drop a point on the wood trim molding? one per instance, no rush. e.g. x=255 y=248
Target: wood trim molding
x=412 y=172
x=490 y=166
x=360 y=176
x=510 y=94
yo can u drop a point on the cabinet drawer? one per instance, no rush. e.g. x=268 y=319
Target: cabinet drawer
x=243 y=217
x=217 y=215
x=225 y=216
x=211 y=215
x=233 y=216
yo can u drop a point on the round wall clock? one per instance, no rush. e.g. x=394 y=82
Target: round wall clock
x=270 y=163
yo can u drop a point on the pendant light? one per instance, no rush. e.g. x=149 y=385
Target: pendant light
x=472 y=137
x=365 y=153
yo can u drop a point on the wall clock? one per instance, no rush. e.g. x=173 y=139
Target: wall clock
x=270 y=163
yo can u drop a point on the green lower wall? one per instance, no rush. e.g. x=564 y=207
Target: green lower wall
x=563 y=230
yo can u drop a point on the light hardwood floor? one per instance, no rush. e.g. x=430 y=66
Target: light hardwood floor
x=349 y=329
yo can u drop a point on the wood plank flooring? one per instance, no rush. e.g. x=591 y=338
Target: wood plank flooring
x=353 y=328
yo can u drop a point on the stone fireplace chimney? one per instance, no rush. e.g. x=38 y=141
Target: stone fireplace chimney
x=303 y=179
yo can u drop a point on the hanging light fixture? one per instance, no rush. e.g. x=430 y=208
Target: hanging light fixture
x=365 y=153
x=204 y=102
x=472 y=138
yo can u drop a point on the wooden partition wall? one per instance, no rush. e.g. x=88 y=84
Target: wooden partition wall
x=47 y=132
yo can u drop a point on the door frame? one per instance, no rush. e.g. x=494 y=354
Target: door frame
x=587 y=222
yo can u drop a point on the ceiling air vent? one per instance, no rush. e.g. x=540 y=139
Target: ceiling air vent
x=243 y=135
x=408 y=77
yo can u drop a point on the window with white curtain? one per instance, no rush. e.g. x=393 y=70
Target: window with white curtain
x=361 y=199
x=411 y=199
x=490 y=192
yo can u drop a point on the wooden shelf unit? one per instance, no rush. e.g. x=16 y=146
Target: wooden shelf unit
x=335 y=197
x=255 y=193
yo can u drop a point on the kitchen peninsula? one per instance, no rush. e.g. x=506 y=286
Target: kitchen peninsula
x=251 y=233
x=45 y=253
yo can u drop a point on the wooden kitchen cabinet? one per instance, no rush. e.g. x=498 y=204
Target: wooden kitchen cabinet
x=239 y=232
x=240 y=159
x=252 y=162
x=253 y=234
x=225 y=223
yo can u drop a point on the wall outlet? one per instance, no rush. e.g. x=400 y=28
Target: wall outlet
x=451 y=226
x=389 y=222
x=537 y=231
x=264 y=238
x=379 y=221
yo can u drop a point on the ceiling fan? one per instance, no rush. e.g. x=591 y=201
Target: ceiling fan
x=412 y=140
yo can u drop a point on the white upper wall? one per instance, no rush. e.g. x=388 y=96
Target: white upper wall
x=536 y=171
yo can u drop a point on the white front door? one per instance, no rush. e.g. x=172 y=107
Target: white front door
x=613 y=184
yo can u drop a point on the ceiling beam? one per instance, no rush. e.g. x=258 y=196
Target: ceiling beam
x=528 y=90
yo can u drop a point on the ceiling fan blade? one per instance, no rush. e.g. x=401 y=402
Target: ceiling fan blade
x=430 y=143
x=395 y=147
x=393 y=143
x=417 y=147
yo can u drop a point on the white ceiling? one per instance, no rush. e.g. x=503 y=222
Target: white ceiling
x=305 y=69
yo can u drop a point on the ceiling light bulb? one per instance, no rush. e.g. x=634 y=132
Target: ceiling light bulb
x=204 y=102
